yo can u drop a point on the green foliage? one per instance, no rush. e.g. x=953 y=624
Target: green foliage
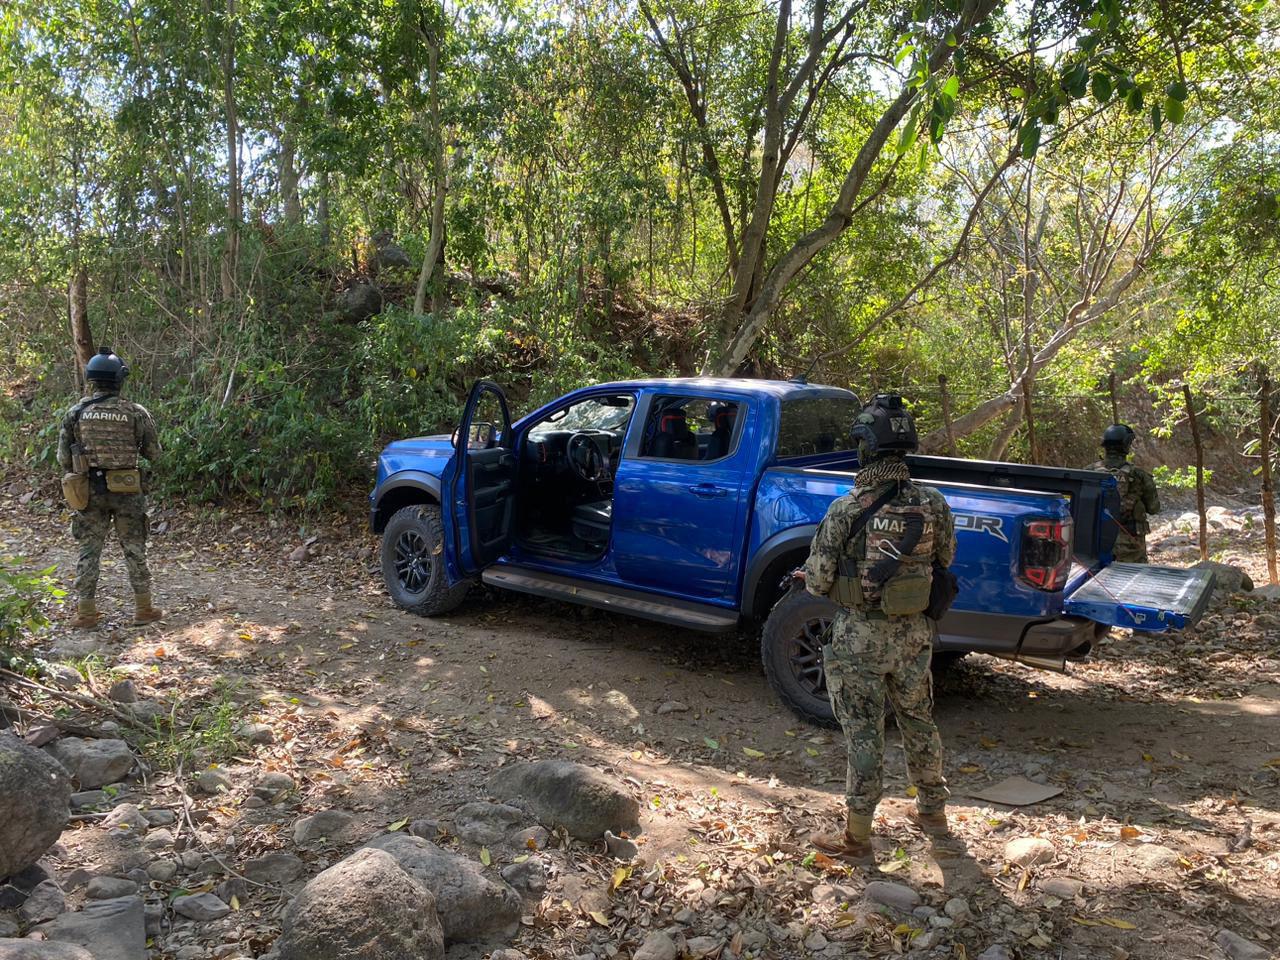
x=24 y=596
x=1179 y=478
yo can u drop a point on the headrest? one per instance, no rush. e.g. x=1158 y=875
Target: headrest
x=672 y=421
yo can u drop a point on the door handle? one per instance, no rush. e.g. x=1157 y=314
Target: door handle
x=707 y=490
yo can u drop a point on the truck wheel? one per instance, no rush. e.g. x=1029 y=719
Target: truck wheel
x=412 y=564
x=791 y=648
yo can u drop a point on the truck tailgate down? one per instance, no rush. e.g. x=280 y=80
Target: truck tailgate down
x=1141 y=597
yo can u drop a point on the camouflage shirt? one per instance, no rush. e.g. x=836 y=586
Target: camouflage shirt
x=1139 y=498
x=143 y=427
x=833 y=541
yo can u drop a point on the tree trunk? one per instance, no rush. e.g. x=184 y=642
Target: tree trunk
x=231 y=255
x=1001 y=443
x=322 y=209
x=78 y=311
x=1199 y=447
x=289 y=178
x=1268 y=491
x=433 y=264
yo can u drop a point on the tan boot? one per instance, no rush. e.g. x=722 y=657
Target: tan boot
x=934 y=824
x=144 y=612
x=87 y=615
x=853 y=843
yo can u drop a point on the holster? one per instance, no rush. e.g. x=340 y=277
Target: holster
x=846 y=589
x=124 y=481
x=75 y=490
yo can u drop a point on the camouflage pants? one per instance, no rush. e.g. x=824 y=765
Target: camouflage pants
x=1130 y=548
x=127 y=512
x=866 y=661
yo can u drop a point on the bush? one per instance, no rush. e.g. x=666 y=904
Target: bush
x=23 y=595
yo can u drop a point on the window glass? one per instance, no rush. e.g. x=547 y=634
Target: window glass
x=487 y=423
x=598 y=413
x=816 y=425
x=689 y=428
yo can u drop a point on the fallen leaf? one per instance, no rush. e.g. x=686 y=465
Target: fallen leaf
x=531 y=843
x=620 y=876
x=1118 y=924
x=713 y=744
x=753 y=754
x=988 y=743
x=970 y=768
x=599 y=918
x=1148 y=758
x=398 y=824
x=1129 y=833
x=912 y=791
x=235 y=902
x=1085 y=922
x=892 y=866
x=485 y=856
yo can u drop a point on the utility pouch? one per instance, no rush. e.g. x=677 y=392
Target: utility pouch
x=847 y=588
x=75 y=490
x=124 y=481
x=905 y=594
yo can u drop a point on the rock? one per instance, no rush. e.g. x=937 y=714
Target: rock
x=34 y=795
x=153 y=918
x=62 y=675
x=126 y=816
x=1153 y=856
x=35 y=950
x=997 y=952
x=957 y=908
x=1064 y=888
x=532 y=838
x=941 y=923
x=1227 y=577
x=814 y=941
x=213 y=781
x=123 y=691
x=672 y=706
x=360 y=301
x=77 y=878
x=834 y=893
x=45 y=902
x=896 y=895
x=485 y=823
x=274 y=787
x=1237 y=947
x=147 y=711
x=529 y=878
x=111 y=929
x=562 y=793
x=325 y=825
x=8 y=928
x=506 y=953
x=160 y=818
x=924 y=912
x=259 y=733
x=88 y=798
x=698 y=947
x=656 y=946
x=425 y=827
x=200 y=906
x=109 y=888
x=1270 y=592
x=93 y=763
x=363 y=908
x=620 y=848
x=471 y=906
x=274 y=868
x=162 y=871
x=1029 y=851
x=190 y=859
x=393 y=255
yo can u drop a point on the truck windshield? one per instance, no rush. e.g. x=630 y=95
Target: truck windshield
x=816 y=425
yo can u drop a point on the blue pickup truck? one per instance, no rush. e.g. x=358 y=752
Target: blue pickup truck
x=688 y=501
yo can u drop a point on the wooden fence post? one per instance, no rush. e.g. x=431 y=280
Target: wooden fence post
x=1195 y=439
x=1115 y=406
x=946 y=415
x=1268 y=492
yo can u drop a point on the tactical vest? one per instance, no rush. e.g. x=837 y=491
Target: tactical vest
x=107 y=433
x=906 y=591
x=1133 y=509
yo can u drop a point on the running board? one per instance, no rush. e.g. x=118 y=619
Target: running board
x=681 y=613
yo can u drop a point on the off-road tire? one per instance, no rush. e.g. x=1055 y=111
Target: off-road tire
x=785 y=645
x=419 y=527
x=944 y=660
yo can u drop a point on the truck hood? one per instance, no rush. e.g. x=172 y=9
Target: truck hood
x=437 y=445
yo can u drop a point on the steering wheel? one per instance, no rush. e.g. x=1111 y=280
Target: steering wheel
x=587 y=459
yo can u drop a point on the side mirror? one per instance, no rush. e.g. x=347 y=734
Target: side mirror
x=481 y=436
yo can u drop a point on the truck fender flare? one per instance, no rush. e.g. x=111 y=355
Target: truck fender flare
x=779 y=545
x=406 y=479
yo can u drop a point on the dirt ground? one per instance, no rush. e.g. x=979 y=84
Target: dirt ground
x=1166 y=749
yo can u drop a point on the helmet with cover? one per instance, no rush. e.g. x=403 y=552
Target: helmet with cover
x=1118 y=437
x=106 y=369
x=884 y=428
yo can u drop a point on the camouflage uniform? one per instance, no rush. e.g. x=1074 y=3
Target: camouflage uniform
x=1138 y=500
x=872 y=655
x=118 y=433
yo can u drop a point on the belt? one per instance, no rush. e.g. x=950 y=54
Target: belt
x=866 y=614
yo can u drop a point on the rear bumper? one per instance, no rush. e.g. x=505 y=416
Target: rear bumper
x=1006 y=636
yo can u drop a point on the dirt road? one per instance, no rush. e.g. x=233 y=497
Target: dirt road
x=1164 y=750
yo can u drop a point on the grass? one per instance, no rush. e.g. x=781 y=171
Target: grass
x=209 y=736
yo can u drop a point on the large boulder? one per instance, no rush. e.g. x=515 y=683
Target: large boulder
x=93 y=763
x=109 y=929
x=565 y=794
x=471 y=906
x=360 y=301
x=1227 y=577
x=362 y=908
x=35 y=793
x=35 y=950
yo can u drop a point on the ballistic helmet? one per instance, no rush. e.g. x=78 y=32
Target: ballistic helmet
x=1118 y=436
x=106 y=368
x=884 y=427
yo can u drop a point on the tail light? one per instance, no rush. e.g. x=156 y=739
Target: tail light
x=1046 y=553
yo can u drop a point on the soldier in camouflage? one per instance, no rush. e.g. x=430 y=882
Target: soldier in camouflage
x=104 y=435
x=1138 y=496
x=879 y=568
